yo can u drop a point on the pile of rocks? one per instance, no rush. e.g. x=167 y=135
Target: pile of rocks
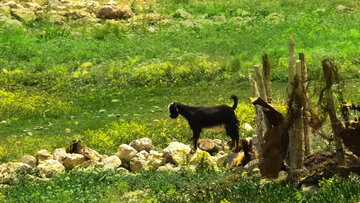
x=58 y=11
x=138 y=155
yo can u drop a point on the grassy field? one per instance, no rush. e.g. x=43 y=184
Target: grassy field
x=109 y=83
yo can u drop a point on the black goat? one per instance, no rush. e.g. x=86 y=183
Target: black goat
x=206 y=117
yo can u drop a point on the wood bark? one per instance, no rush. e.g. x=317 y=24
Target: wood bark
x=295 y=139
x=306 y=105
x=336 y=124
x=266 y=74
x=260 y=127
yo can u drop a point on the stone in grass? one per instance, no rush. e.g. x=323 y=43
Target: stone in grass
x=142 y=144
x=126 y=153
x=112 y=162
x=30 y=160
x=91 y=154
x=176 y=153
x=9 y=171
x=139 y=161
x=59 y=154
x=72 y=160
x=43 y=155
x=50 y=168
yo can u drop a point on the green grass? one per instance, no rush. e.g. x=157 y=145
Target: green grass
x=182 y=186
x=60 y=76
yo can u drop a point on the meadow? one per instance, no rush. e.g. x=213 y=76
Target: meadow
x=110 y=82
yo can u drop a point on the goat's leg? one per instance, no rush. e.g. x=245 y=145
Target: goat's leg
x=196 y=135
x=233 y=132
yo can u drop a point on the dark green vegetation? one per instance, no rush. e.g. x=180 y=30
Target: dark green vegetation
x=182 y=186
x=58 y=79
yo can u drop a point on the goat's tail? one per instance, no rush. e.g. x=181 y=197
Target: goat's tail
x=235 y=101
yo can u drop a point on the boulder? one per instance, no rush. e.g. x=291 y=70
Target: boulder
x=176 y=153
x=112 y=161
x=32 y=5
x=8 y=171
x=181 y=13
x=252 y=165
x=229 y=160
x=30 y=160
x=207 y=145
x=219 y=145
x=126 y=153
x=166 y=167
x=199 y=156
x=12 y=4
x=91 y=154
x=50 y=168
x=142 y=144
x=90 y=164
x=59 y=154
x=72 y=160
x=342 y=8
x=114 y=12
x=24 y=14
x=43 y=155
x=139 y=161
x=282 y=177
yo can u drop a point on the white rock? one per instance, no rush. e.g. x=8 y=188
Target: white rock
x=139 y=162
x=59 y=154
x=43 y=155
x=91 y=154
x=176 y=153
x=126 y=153
x=51 y=168
x=30 y=160
x=142 y=144
x=8 y=171
x=72 y=160
x=112 y=161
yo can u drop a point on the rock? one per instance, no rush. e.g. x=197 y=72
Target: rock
x=72 y=160
x=9 y=171
x=12 y=4
x=91 y=154
x=199 y=156
x=32 y=5
x=43 y=155
x=30 y=160
x=156 y=162
x=110 y=3
x=219 y=144
x=309 y=189
x=229 y=160
x=90 y=164
x=282 y=177
x=114 y=12
x=176 y=153
x=142 y=144
x=112 y=161
x=342 y=8
x=59 y=154
x=272 y=17
x=181 y=13
x=126 y=153
x=166 y=167
x=122 y=170
x=50 y=168
x=207 y=145
x=139 y=162
x=23 y=14
x=253 y=164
